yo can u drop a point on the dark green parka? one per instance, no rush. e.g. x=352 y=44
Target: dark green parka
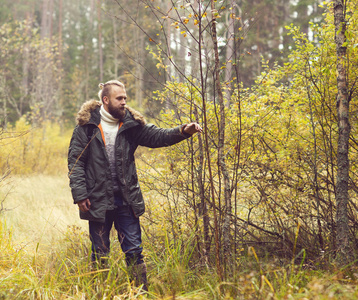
x=89 y=172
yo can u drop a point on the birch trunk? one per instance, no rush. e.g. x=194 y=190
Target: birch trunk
x=229 y=55
x=221 y=143
x=212 y=197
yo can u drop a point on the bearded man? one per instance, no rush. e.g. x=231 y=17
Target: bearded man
x=102 y=171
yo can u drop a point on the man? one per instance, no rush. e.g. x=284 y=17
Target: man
x=102 y=172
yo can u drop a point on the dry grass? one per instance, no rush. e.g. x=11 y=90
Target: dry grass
x=39 y=208
x=44 y=251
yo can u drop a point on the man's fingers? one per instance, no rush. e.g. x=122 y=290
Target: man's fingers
x=88 y=204
x=195 y=127
x=84 y=205
x=198 y=127
x=192 y=128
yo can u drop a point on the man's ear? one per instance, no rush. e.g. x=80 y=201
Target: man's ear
x=105 y=100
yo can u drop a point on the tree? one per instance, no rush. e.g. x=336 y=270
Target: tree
x=281 y=158
x=22 y=52
x=344 y=252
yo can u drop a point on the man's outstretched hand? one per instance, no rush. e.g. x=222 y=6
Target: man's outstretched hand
x=192 y=128
x=84 y=205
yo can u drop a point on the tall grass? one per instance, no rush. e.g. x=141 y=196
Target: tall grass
x=45 y=250
x=39 y=209
x=25 y=149
x=62 y=270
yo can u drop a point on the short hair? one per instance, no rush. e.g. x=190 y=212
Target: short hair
x=105 y=88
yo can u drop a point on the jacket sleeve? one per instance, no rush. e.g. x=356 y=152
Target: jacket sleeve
x=77 y=157
x=155 y=137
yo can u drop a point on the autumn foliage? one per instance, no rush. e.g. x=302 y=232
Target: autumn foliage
x=258 y=186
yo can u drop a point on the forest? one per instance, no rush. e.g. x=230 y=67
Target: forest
x=262 y=204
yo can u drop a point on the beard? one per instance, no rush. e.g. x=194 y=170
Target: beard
x=116 y=112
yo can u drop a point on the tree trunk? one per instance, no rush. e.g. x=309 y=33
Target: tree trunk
x=169 y=52
x=60 y=49
x=100 y=44
x=2 y=92
x=115 y=47
x=203 y=208
x=344 y=253
x=60 y=60
x=221 y=142
x=44 y=31
x=207 y=151
x=182 y=56
x=50 y=21
x=93 y=11
x=25 y=64
x=44 y=89
x=139 y=67
x=303 y=15
x=229 y=54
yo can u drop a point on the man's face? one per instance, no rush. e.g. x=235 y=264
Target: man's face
x=116 y=102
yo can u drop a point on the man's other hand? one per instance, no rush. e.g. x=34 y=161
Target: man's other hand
x=84 y=205
x=192 y=128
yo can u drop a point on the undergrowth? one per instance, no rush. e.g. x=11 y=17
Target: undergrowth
x=65 y=272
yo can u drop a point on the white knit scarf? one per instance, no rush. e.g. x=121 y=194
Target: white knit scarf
x=110 y=128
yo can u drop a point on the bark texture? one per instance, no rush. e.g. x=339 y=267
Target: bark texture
x=221 y=155
x=344 y=254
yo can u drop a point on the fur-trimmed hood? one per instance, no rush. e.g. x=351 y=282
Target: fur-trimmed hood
x=84 y=114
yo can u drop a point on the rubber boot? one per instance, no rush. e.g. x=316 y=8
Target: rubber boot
x=139 y=273
x=100 y=263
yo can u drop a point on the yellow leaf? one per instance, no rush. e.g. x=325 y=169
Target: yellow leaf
x=185 y=21
x=196 y=22
x=204 y=15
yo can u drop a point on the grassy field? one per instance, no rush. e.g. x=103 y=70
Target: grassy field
x=44 y=254
x=39 y=209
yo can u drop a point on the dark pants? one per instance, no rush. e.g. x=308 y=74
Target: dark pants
x=129 y=235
